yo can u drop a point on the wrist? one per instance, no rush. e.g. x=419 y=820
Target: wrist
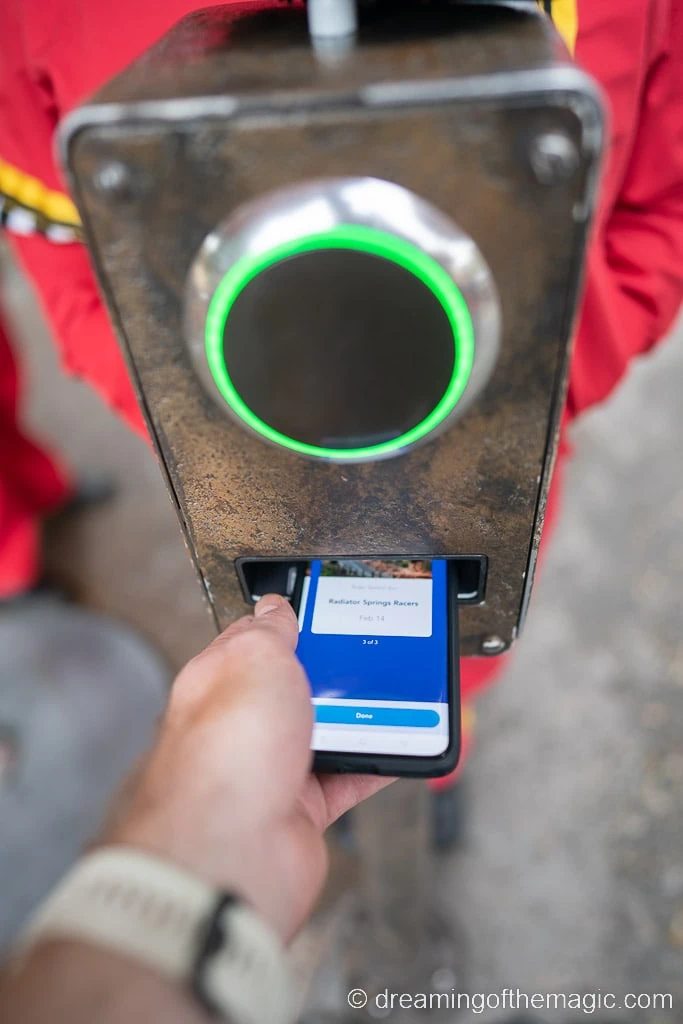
x=236 y=870
x=66 y=980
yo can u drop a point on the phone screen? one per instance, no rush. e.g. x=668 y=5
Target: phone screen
x=373 y=638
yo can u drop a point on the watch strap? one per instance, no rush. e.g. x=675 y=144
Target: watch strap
x=147 y=909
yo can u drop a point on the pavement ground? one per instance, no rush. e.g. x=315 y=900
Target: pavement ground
x=572 y=876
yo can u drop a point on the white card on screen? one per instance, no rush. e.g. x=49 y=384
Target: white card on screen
x=373 y=607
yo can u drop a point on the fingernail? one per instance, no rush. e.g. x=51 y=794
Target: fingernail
x=264 y=606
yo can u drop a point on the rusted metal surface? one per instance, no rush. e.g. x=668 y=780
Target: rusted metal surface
x=225 y=111
x=217 y=52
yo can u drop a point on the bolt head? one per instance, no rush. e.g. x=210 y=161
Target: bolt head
x=112 y=179
x=493 y=645
x=554 y=158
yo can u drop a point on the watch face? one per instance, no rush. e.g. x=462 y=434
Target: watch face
x=239 y=961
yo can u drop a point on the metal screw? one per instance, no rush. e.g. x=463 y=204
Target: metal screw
x=554 y=158
x=113 y=179
x=492 y=645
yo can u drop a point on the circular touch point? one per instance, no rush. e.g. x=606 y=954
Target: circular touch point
x=350 y=343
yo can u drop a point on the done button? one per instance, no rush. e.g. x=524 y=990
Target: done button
x=414 y=718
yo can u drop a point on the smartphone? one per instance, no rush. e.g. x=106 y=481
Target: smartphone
x=379 y=641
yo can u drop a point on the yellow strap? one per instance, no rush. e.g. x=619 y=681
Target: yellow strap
x=31 y=193
x=565 y=15
x=566 y=18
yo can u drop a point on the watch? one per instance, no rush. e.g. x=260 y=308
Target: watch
x=203 y=938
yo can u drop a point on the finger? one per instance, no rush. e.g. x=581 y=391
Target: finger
x=343 y=792
x=272 y=612
x=256 y=649
x=253 y=663
x=260 y=653
x=249 y=686
x=275 y=612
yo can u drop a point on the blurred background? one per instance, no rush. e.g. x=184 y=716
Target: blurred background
x=571 y=876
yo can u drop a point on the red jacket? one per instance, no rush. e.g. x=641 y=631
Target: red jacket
x=56 y=52
x=53 y=53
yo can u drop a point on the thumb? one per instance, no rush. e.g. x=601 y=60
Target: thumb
x=275 y=612
x=251 y=673
x=251 y=670
x=257 y=653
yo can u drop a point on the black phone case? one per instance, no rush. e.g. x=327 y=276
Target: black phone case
x=330 y=762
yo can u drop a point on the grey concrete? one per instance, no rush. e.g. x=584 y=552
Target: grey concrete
x=573 y=880
x=79 y=697
x=573 y=876
x=76 y=723
x=127 y=558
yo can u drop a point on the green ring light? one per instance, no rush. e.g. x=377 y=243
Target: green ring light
x=361 y=239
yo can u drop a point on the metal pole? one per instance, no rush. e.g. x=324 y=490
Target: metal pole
x=392 y=832
x=332 y=25
x=399 y=943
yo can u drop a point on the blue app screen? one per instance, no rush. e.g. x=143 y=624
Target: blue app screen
x=373 y=638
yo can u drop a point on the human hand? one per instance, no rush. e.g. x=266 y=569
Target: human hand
x=227 y=791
